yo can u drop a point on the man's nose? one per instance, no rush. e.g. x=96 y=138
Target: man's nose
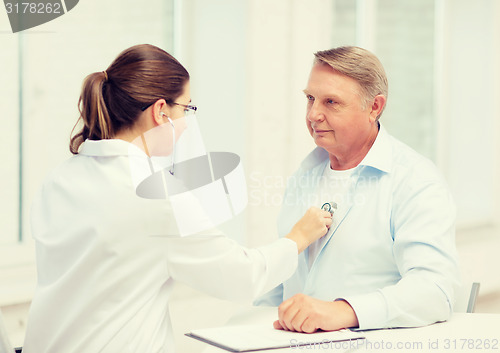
x=314 y=113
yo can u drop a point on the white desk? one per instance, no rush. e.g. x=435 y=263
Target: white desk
x=462 y=333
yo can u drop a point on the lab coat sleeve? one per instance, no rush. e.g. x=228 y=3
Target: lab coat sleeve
x=424 y=249
x=222 y=268
x=291 y=211
x=272 y=298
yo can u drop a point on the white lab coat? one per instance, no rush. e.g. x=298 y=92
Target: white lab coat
x=107 y=260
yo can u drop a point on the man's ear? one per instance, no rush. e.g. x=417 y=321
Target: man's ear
x=377 y=106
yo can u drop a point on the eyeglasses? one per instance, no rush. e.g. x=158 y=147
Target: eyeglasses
x=188 y=108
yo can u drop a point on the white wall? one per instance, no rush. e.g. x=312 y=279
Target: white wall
x=282 y=37
x=472 y=79
x=9 y=142
x=247 y=76
x=249 y=62
x=212 y=49
x=473 y=42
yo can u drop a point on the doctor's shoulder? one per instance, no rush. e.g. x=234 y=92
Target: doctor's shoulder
x=61 y=172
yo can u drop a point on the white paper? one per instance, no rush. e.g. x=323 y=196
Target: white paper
x=257 y=337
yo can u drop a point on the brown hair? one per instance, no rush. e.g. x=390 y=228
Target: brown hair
x=111 y=100
x=360 y=65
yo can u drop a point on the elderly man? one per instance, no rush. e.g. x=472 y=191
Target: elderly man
x=389 y=259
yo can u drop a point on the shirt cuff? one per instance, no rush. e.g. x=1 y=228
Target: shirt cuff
x=370 y=309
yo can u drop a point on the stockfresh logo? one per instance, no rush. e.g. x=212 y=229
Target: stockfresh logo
x=24 y=14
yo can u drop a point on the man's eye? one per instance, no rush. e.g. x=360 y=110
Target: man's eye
x=330 y=101
x=310 y=98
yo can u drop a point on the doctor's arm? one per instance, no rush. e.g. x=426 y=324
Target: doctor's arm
x=219 y=266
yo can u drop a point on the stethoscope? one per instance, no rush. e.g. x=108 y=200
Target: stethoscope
x=173 y=141
x=173 y=145
x=329 y=207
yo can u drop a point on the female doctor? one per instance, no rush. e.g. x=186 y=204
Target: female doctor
x=106 y=258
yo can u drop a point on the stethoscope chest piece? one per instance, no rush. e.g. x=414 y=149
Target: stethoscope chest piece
x=329 y=207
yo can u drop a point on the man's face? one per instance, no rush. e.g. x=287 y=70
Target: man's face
x=335 y=115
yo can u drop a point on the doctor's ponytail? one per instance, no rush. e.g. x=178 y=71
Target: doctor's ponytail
x=93 y=112
x=111 y=100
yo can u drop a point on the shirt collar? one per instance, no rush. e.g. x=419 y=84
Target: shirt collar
x=379 y=156
x=110 y=148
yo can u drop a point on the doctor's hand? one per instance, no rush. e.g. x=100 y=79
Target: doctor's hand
x=312 y=226
x=302 y=313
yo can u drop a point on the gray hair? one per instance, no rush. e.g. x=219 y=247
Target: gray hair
x=360 y=65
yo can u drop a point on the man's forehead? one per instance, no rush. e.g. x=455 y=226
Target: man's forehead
x=324 y=80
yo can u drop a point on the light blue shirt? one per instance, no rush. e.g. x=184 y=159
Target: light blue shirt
x=391 y=251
